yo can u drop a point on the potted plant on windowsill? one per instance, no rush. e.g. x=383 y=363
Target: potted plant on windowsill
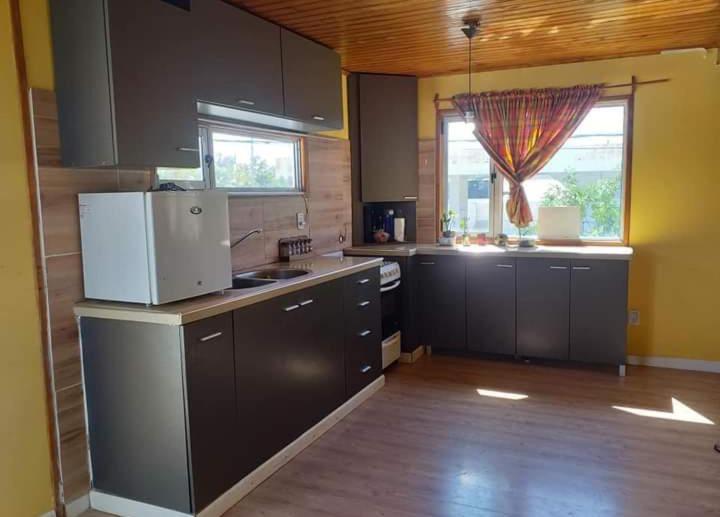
x=446 y=223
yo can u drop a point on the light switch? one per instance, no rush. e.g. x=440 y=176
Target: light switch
x=301 y=220
x=634 y=317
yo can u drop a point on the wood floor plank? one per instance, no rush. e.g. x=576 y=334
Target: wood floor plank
x=428 y=444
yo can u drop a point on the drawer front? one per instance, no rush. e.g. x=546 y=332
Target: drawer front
x=362 y=286
x=363 y=356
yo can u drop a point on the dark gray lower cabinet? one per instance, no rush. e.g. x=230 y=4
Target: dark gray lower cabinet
x=491 y=305
x=211 y=413
x=441 y=283
x=289 y=367
x=363 y=330
x=598 y=309
x=543 y=308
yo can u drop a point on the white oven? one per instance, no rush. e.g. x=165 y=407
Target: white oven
x=391 y=303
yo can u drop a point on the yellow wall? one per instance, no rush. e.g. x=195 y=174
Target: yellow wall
x=25 y=484
x=674 y=276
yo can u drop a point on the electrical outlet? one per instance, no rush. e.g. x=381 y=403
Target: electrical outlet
x=301 y=220
x=634 y=317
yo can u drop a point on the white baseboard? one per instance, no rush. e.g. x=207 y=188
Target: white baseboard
x=127 y=507
x=411 y=357
x=78 y=506
x=226 y=501
x=675 y=363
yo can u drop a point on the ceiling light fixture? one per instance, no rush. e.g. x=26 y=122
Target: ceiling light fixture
x=470 y=30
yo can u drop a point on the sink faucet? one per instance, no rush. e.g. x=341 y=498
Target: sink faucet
x=248 y=234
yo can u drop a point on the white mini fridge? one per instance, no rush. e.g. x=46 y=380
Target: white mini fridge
x=154 y=247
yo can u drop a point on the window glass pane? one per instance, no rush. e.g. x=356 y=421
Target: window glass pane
x=255 y=162
x=468 y=189
x=585 y=172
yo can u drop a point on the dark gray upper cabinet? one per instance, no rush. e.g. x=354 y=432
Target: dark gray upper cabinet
x=211 y=413
x=441 y=283
x=388 y=137
x=598 y=311
x=543 y=308
x=238 y=59
x=124 y=83
x=311 y=81
x=491 y=305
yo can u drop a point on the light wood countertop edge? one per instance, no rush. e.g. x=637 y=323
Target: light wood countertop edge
x=154 y=314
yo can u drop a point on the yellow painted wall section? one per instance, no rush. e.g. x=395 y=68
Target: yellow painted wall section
x=674 y=229
x=25 y=483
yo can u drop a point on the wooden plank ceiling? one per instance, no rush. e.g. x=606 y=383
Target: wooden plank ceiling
x=423 y=37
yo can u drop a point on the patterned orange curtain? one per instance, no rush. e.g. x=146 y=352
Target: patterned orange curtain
x=523 y=129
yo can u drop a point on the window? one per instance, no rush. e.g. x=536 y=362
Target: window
x=588 y=171
x=242 y=160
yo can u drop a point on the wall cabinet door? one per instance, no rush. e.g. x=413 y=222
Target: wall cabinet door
x=441 y=284
x=491 y=305
x=211 y=411
x=598 y=311
x=124 y=83
x=311 y=81
x=387 y=107
x=289 y=364
x=543 y=308
x=237 y=58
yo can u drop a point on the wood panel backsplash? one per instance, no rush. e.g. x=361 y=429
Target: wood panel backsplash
x=327 y=203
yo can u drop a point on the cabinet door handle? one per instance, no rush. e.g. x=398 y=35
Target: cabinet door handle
x=363 y=281
x=306 y=302
x=364 y=304
x=211 y=337
x=318 y=117
x=427 y=263
x=246 y=102
x=410 y=198
x=505 y=266
x=365 y=333
x=581 y=268
x=365 y=369
x=291 y=308
x=558 y=267
x=188 y=149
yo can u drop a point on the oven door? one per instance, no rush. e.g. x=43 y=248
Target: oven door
x=390 y=301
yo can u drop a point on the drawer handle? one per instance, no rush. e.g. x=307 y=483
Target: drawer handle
x=246 y=102
x=364 y=304
x=410 y=198
x=365 y=369
x=188 y=149
x=306 y=302
x=291 y=308
x=318 y=117
x=211 y=337
x=581 y=268
x=505 y=266
x=363 y=281
x=427 y=263
x=365 y=333
x=558 y=268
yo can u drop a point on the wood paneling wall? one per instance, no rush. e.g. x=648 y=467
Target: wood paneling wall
x=426 y=206
x=329 y=216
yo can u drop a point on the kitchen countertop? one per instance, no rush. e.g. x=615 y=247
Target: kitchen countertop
x=323 y=269
x=569 y=252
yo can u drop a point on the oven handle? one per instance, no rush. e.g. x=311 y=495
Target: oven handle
x=390 y=287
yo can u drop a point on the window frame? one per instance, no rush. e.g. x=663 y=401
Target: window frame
x=497 y=180
x=206 y=129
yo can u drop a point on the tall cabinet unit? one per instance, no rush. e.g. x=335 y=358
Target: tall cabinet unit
x=124 y=83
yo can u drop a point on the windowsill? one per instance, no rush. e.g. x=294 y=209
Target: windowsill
x=263 y=194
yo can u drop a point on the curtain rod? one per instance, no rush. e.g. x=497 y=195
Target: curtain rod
x=633 y=84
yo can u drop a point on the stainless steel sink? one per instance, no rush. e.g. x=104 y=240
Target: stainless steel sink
x=276 y=274
x=240 y=282
x=263 y=277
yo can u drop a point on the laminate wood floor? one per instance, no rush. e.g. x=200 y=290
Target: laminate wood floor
x=429 y=445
